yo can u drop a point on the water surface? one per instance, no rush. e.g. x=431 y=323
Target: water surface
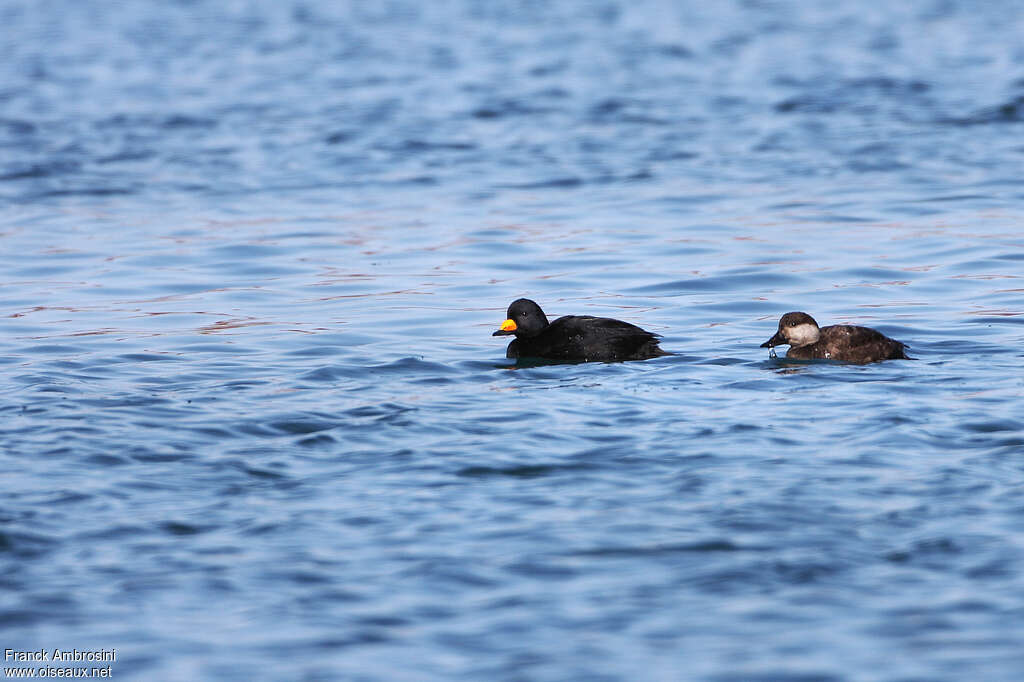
x=255 y=425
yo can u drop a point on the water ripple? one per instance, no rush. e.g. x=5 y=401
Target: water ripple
x=252 y=404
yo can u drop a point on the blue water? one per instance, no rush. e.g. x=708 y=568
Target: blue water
x=254 y=425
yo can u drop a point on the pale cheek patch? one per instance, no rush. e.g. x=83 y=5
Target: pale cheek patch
x=802 y=335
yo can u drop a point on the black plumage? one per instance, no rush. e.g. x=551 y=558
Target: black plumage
x=574 y=338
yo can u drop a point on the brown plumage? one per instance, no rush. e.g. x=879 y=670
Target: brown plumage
x=842 y=342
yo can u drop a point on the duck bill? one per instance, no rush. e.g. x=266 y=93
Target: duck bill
x=507 y=327
x=776 y=340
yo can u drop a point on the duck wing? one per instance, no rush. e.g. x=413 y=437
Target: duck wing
x=851 y=343
x=602 y=339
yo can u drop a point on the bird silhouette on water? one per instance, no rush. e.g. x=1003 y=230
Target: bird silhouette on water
x=574 y=338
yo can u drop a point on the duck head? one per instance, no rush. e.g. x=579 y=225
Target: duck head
x=525 y=319
x=795 y=329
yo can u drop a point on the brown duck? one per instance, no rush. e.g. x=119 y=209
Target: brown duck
x=842 y=342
